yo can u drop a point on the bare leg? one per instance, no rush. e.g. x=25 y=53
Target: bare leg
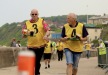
x=74 y=71
x=69 y=69
x=45 y=63
x=48 y=63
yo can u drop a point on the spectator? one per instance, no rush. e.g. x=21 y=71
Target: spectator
x=18 y=44
x=13 y=42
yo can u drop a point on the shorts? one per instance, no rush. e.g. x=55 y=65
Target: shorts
x=72 y=58
x=47 y=56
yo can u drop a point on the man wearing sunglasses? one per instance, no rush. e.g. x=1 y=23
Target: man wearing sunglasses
x=37 y=32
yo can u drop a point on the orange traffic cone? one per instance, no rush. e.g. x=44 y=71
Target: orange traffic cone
x=26 y=63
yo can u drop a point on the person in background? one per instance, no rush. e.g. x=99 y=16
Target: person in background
x=54 y=49
x=18 y=44
x=102 y=48
x=47 y=54
x=88 y=48
x=37 y=31
x=60 y=50
x=13 y=42
x=73 y=47
x=102 y=51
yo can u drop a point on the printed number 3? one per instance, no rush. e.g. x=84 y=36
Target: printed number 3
x=35 y=27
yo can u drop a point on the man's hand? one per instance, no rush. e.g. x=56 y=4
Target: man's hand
x=24 y=33
x=81 y=38
x=64 y=39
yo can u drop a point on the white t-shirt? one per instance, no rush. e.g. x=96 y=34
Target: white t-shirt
x=18 y=45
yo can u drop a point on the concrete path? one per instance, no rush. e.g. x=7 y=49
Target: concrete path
x=86 y=67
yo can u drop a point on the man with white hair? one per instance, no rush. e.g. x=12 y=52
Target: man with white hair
x=37 y=32
x=73 y=47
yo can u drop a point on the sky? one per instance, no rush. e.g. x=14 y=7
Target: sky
x=19 y=10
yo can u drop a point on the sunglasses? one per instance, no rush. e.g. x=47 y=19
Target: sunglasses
x=33 y=14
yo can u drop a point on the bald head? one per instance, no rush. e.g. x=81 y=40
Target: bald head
x=34 y=14
x=72 y=15
x=34 y=11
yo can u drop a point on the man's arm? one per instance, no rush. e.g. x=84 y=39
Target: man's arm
x=24 y=31
x=47 y=30
x=84 y=35
x=63 y=35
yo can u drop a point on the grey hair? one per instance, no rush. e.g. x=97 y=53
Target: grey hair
x=73 y=15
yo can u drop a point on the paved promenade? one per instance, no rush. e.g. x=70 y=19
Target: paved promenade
x=86 y=67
